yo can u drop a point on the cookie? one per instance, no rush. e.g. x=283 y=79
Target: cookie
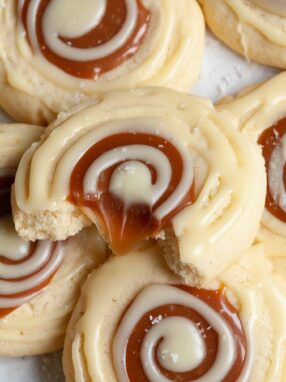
x=135 y=318
x=55 y=54
x=146 y=163
x=39 y=281
x=254 y=28
x=261 y=112
x=14 y=140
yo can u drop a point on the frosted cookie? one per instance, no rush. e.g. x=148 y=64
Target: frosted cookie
x=147 y=322
x=146 y=163
x=262 y=113
x=39 y=282
x=254 y=28
x=55 y=54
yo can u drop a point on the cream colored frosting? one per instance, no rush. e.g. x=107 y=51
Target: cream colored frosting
x=275 y=6
x=259 y=294
x=12 y=245
x=270 y=25
x=35 y=268
x=172 y=333
x=173 y=45
x=258 y=110
x=131 y=182
x=175 y=353
x=230 y=190
x=39 y=323
x=148 y=155
x=74 y=19
x=14 y=140
x=28 y=267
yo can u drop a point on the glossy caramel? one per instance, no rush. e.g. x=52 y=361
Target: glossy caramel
x=219 y=302
x=125 y=226
x=109 y=26
x=5 y=208
x=269 y=139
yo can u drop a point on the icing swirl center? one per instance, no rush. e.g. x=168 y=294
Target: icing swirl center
x=179 y=333
x=84 y=38
x=132 y=184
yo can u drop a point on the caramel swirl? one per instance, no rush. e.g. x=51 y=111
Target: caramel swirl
x=25 y=267
x=273 y=142
x=180 y=333
x=88 y=38
x=132 y=184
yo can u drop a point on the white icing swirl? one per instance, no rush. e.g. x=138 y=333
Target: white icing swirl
x=170 y=331
x=174 y=352
x=12 y=247
x=37 y=265
x=131 y=191
x=73 y=19
x=275 y=174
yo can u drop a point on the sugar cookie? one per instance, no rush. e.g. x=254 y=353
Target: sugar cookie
x=254 y=28
x=54 y=54
x=261 y=112
x=135 y=318
x=146 y=163
x=39 y=282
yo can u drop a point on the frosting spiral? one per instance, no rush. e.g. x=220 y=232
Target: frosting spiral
x=179 y=333
x=273 y=141
x=143 y=163
x=25 y=267
x=133 y=182
x=86 y=38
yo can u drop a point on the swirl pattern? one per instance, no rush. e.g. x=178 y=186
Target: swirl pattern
x=87 y=38
x=180 y=334
x=25 y=267
x=57 y=53
x=133 y=182
x=139 y=164
x=144 y=314
x=266 y=124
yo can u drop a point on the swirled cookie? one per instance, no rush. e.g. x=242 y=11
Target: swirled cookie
x=261 y=112
x=39 y=282
x=136 y=321
x=146 y=163
x=254 y=28
x=54 y=54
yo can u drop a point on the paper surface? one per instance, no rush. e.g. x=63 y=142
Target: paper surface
x=223 y=73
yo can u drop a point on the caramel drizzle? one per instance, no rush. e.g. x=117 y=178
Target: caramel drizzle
x=45 y=272
x=110 y=25
x=218 y=301
x=127 y=225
